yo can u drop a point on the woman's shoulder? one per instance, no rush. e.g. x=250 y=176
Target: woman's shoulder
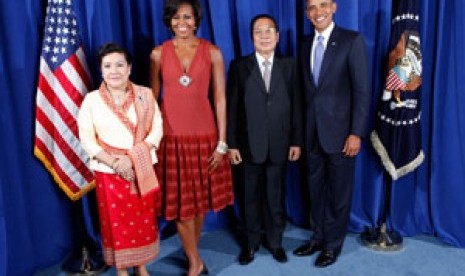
x=142 y=90
x=91 y=99
x=92 y=95
x=212 y=49
x=157 y=50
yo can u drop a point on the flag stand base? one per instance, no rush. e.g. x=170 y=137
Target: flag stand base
x=382 y=239
x=84 y=262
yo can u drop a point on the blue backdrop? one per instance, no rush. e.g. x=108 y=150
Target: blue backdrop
x=35 y=216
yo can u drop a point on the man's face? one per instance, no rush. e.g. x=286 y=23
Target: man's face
x=265 y=36
x=320 y=12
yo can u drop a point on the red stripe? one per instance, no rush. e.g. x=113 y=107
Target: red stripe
x=66 y=116
x=74 y=61
x=393 y=82
x=68 y=152
x=61 y=174
x=69 y=87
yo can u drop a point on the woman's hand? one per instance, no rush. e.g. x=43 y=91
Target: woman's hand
x=214 y=161
x=128 y=175
x=122 y=164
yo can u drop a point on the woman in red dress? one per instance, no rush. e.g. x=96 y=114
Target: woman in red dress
x=193 y=166
x=120 y=127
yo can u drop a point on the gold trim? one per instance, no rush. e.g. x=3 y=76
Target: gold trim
x=73 y=196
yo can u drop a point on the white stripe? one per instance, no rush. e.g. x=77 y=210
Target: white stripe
x=82 y=60
x=62 y=129
x=62 y=161
x=56 y=86
x=74 y=77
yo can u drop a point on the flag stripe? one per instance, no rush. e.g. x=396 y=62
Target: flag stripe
x=76 y=73
x=51 y=159
x=61 y=128
x=65 y=79
x=58 y=142
x=57 y=105
x=56 y=88
x=82 y=70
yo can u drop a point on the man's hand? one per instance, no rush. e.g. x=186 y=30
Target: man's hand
x=352 y=145
x=235 y=156
x=294 y=153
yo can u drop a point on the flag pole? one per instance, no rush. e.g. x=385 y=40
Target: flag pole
x=87 y=257
x=398 y=117
x=382 y=238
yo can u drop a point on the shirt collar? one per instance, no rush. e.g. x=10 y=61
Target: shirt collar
x=326 y=33
x=261 y=59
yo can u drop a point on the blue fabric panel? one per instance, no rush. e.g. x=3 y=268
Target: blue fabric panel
x=36 y=226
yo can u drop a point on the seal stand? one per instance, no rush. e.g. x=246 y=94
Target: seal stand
x=380 y=238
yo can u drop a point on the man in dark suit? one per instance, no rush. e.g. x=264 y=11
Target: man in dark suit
x=337 y=102
x=264 y=131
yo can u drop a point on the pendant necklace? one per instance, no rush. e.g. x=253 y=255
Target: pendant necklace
x=185 y=80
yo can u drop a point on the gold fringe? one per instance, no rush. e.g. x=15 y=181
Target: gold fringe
x=73 y=196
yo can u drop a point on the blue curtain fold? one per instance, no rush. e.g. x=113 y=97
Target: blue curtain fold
x=447 y=150
x=35 y=216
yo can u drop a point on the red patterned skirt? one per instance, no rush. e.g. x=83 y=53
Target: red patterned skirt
x=127 y=222
x=189 y=190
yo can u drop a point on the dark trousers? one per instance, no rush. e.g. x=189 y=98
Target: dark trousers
x=264 y=203
x=330 y=178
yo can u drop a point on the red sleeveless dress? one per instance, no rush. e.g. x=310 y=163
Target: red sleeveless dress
x=189 y=139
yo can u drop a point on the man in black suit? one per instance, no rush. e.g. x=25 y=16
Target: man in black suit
x=264 y=131
x=337 y=98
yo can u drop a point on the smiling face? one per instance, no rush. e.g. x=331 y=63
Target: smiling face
x=321 y=12
x=183 y=22
x=115 y=71
x=265 y=36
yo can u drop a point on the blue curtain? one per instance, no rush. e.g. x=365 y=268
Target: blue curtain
x=36 y=220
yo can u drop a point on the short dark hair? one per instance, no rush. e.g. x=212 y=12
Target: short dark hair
x=172 y=6
x=260 y=16
x=110 y=48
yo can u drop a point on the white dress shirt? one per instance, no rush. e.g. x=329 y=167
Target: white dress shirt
x=261 y=59
x=326 y=33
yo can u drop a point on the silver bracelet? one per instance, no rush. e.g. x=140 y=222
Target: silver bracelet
x=222 y=147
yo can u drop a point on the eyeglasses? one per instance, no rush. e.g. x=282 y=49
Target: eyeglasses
x=264 y=31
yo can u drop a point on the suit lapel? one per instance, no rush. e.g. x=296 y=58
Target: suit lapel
x=276 y=75
x=330 y=53
x=254 y=70
x=307 y=51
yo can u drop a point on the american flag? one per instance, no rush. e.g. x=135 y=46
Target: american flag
x=63 y=81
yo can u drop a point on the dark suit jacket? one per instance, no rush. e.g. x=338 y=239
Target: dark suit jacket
x=262 y=124
x=340 y=105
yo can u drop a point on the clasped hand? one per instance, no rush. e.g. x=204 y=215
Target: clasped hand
x=123 y=167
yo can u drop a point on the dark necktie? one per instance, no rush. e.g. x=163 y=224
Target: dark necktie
x=318 y=58
x=267 y=74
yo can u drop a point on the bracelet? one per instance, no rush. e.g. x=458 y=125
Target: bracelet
x=222 y=147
